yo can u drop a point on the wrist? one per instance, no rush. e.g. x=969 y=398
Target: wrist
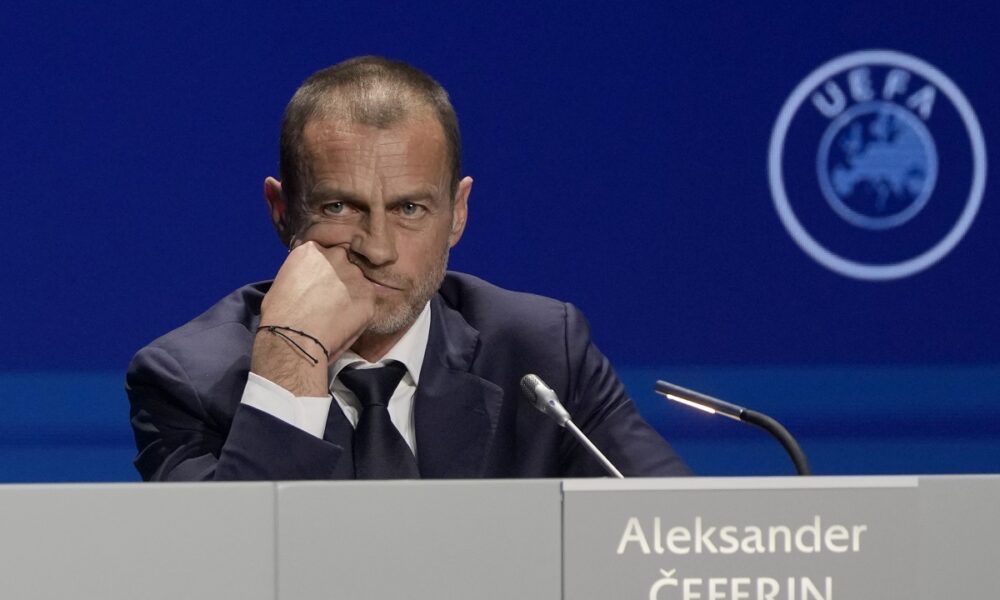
x=279 y=361
x=294 y=337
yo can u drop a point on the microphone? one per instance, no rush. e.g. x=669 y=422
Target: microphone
x=712 y=405
x=545 y=400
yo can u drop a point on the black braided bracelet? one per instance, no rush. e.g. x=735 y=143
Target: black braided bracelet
x=278 y=329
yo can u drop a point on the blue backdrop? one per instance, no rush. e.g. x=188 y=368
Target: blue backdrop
x=621 y=162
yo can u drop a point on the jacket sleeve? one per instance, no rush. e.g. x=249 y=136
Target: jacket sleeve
x=602 y=409
x=186 y=431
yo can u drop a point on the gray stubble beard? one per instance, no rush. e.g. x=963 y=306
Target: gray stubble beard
x=405 y=315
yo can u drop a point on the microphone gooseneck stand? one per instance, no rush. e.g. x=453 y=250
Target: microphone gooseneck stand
x=713 y=405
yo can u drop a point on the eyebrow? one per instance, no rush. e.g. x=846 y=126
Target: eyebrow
x=324 y=194
x=416 y=197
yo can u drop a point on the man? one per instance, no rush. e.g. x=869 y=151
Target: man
x=363 y=358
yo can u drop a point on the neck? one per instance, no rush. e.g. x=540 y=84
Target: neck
x=372 y=347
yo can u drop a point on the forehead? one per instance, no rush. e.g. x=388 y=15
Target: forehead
x=411 y=151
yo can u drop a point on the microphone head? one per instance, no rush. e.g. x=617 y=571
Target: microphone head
x=543 y=398
x=529 y=385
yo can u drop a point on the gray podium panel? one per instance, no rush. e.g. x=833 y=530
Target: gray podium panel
x=414 y=540
x=960 y=526
x=749 y=539
x=125 y=541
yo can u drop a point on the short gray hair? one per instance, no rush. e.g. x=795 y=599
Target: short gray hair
x=368 y=90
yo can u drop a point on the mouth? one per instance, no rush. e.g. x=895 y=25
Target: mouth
x=380 y=286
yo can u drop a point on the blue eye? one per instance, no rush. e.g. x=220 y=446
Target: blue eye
x=333 y=208
x=411 y=210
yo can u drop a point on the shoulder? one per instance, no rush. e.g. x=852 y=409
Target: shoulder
x=240 y=308
x=483 y=303
x=224 y=330
x=501 y=315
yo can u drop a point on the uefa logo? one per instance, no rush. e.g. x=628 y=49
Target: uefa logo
x=877 y=165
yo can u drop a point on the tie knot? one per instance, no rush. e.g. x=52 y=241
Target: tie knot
x=373 y=386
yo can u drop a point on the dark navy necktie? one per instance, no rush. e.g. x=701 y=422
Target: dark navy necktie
x=380 y=452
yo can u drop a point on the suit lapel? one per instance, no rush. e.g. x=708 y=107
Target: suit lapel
x=455 y=411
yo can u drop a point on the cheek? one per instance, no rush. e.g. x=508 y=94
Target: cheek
x=420 y=253
x=425 y=241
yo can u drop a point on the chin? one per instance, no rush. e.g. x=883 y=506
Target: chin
x=392 y=318
x=393 y=321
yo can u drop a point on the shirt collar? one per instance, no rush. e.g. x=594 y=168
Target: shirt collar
x=409 y=350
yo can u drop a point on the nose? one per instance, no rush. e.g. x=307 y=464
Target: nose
x=375 y=241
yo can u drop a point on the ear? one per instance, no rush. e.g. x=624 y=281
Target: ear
x=460 y=211
x=278 y=209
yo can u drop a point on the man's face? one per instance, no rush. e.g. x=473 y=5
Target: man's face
x=385 y=193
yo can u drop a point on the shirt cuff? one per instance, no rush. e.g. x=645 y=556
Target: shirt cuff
x=308 y=413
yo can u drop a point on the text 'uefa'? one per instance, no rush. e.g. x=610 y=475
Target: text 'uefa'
x=862 y=88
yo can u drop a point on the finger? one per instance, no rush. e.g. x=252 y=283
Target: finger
x=297 y=242
x=338 y=254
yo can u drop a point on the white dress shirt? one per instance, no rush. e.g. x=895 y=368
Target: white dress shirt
x=309 y=413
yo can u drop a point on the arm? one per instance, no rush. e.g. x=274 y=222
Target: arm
x=320 y=292
x=184 y=436
x=188 y=425
x=602 y=409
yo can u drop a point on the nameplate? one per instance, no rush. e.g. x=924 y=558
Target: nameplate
x=746 y=539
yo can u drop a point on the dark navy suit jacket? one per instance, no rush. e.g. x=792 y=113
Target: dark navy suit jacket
x=470 y=418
